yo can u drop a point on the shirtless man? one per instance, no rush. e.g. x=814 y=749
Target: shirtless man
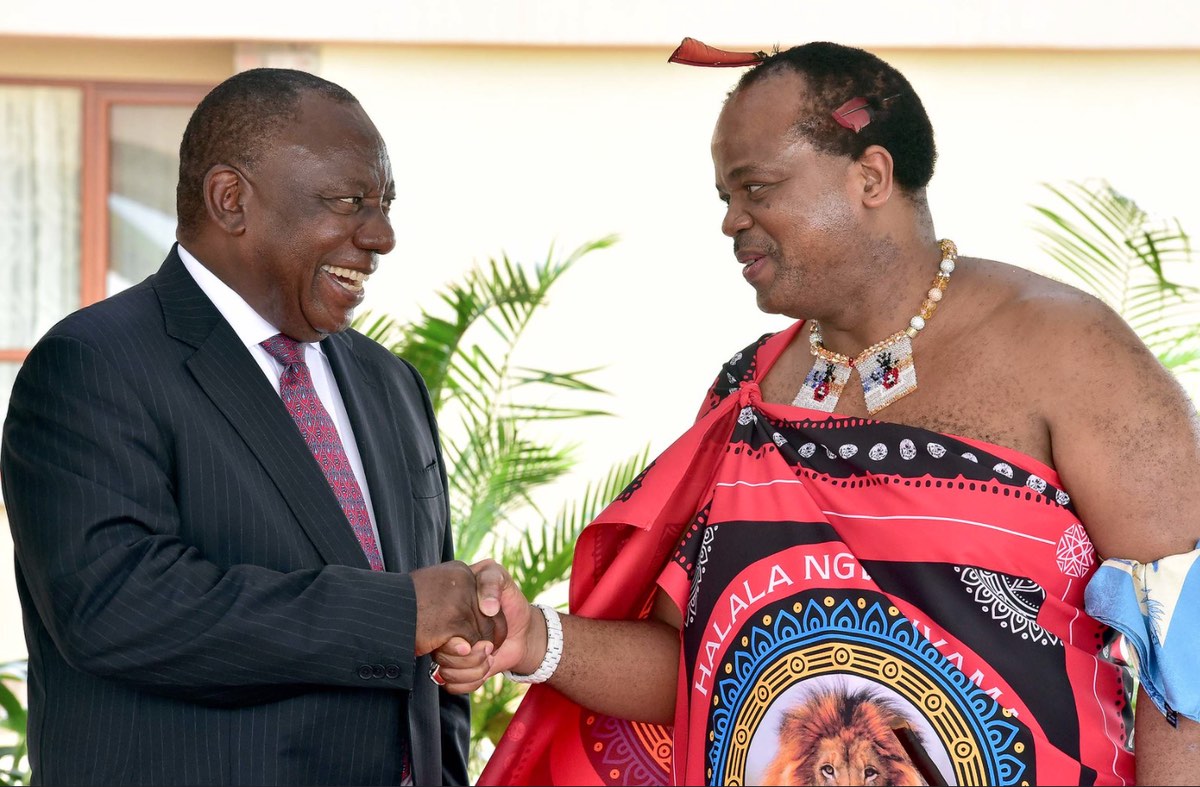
x=1043 y=439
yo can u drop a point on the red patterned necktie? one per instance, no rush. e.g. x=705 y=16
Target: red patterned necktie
x=296 y=389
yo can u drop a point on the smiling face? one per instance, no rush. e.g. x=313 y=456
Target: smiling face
x=315 y=219
x=792 y=211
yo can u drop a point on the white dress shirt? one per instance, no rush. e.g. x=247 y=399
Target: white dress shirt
x=251 y=328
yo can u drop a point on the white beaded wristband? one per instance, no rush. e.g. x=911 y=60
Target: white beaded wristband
x=554 y=649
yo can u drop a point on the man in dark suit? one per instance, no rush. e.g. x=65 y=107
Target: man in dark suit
x=232 y=560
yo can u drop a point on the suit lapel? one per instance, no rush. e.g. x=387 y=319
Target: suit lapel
x=381 y=447
x=226 y=372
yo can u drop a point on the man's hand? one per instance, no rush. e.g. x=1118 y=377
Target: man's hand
x=448 y=609
x=465 y=668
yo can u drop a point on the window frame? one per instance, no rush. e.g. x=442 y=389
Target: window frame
x=98 y=97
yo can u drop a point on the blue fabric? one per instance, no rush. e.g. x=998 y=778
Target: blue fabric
x=1156 y=606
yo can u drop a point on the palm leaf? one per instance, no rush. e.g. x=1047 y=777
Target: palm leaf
x=572 y=380
x=545 y=412
x=14 y=766
x=14 y=717
x=380 y=328
x=541 y=559
x=1129 y=260
x=509 y=473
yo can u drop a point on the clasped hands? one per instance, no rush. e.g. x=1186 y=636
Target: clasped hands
x=475 y=621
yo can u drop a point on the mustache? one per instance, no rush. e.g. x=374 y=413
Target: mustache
x=765 y=245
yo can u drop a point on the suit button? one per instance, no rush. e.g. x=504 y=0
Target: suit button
x=393 y=671
x=364 y=672
x=377 y=671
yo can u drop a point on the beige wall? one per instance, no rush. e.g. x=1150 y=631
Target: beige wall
x=512 y=149
x=47 y=58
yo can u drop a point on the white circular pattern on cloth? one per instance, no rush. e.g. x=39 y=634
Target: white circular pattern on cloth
x=908 y=450
x=736 y=357
x=1012 y=601
x=1074 y=552
x=747 y=416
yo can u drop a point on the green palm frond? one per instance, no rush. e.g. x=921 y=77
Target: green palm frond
x=381 y=328
x=1186 y=353
x=541 y=559
x=494 y=479
x=14 y=764
x=570 y=380
x=545 y=412
x=14 y=714
x=1129 y=260
x=500 y=295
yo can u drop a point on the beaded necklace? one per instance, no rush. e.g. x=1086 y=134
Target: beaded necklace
x=886 y=368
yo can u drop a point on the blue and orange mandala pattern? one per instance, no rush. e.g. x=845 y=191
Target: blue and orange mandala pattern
x=859 y=633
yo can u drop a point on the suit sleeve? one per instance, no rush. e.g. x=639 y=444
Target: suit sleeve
x=88 y=481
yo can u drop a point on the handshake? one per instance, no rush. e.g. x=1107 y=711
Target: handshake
x=475 y=622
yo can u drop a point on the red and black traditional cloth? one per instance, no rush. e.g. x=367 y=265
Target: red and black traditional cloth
x=841 y=577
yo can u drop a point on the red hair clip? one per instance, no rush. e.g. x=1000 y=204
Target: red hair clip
x=694 y=53
x=858 y=112
x=855 y=114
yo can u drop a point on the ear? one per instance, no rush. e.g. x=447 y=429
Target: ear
x=875 y=170
x=224 y=194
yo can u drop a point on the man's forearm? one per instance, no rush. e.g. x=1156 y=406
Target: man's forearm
x=621 y=668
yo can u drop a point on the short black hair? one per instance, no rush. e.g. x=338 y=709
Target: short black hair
x=835 y=74
x=235 y=123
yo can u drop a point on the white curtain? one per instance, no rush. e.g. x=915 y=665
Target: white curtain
x=40 y=155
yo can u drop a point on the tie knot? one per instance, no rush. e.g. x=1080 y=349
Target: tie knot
x=284 y=349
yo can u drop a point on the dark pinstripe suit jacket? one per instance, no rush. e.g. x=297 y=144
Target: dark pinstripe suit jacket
x=197 y=608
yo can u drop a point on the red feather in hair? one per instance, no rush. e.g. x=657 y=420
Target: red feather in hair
x=694 y=53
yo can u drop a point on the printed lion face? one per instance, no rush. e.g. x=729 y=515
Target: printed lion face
x=841 y=738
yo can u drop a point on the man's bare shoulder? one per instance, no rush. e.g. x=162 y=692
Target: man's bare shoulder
x=1070 y=341
x=1036 y=316
x=1124 y=435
